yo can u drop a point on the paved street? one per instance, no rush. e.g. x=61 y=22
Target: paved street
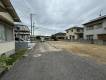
x=47 y=62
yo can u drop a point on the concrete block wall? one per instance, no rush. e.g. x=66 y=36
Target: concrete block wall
x=21 y=45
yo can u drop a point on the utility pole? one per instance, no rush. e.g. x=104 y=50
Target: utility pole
x=33 y=27
x=31 y=22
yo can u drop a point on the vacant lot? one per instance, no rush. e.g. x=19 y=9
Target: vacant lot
x=93 y=51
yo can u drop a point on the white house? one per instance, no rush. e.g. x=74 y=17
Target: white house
x=74 y=33
x=95 y=29
x=7 y=18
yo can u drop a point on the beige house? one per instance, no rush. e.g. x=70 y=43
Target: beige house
x=74 y=33
x=95 y=29
x=7 y=18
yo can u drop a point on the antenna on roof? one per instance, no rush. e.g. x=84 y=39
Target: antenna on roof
x=101 y=12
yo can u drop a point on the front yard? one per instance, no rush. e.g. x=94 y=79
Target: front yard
x=97 y=52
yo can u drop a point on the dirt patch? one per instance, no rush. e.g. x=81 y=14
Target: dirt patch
x=97 y=52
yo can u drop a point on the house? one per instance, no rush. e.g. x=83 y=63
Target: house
x=59 y=36
x=95 y=30
x=47 y=38
x=22 y=32
x=22 y=36
x=7 y=18
x=74 y=33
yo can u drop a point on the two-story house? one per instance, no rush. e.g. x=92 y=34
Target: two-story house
x=22 y=32
x=74 y=33
x=7 y=18
x=95 y=29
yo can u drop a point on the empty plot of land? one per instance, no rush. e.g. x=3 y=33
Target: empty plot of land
x=97 y=52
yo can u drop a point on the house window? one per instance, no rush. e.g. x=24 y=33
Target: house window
x=98 y=26
x=72 y=30
x=89 y=28
x=6 y=33
x=90 y=37
x=78 y=30
x=2 y=33
x=9 y=33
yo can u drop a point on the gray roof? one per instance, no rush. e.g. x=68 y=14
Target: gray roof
x=75 y=27
x=60 y=33
x=97 y=19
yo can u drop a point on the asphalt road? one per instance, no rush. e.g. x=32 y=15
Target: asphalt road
x=46 y=62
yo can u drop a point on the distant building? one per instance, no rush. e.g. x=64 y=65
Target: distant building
x=7 y=18
x=95 y=29
x=22 y=32
x=46 y=38
x=74 y=33
x=59 y=36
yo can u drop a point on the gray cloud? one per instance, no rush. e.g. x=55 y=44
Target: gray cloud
x=56 y=15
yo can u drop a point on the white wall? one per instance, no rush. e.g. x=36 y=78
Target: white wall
x=73 y=33
x=7 y=44
x=7 y=47
x=95 y=32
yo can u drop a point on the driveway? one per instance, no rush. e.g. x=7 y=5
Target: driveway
x=47 y=62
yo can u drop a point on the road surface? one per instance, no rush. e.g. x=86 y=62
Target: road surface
x=47 y=62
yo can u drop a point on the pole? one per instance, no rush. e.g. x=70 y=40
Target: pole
x=33 y=27
x=31 y=22
x=101 y=12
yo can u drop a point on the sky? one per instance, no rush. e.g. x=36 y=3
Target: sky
x=52 y=16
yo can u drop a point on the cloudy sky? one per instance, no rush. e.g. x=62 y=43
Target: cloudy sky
x=53 y=16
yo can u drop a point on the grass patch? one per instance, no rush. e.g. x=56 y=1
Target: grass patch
x=7 y=62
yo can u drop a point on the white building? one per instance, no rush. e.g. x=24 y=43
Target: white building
x=74 y=33
x=7 y=18
x=95 y=29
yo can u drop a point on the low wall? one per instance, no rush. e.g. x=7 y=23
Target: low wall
x=21 y=45
x=7 y=48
